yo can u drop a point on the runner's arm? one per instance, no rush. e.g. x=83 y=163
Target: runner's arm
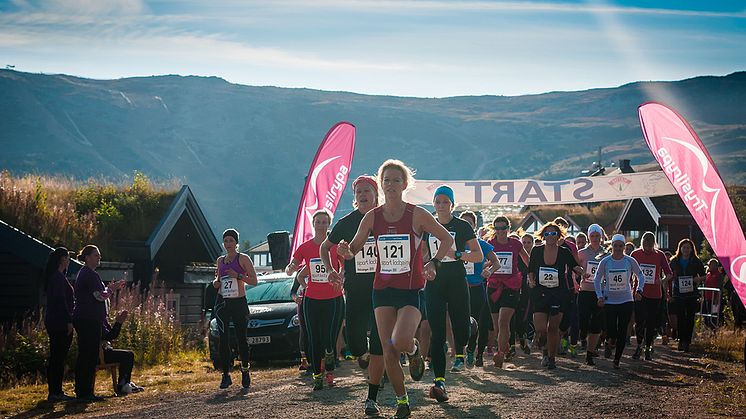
x=475 y=255
x=245 y=262
x=427 y=223
x=349 y=250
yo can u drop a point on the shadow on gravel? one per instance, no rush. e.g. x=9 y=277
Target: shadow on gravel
x=45 y=409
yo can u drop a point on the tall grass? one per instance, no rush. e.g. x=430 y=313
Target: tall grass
x=151 y=331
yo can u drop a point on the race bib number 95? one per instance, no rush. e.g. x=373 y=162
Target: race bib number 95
x=318 y=271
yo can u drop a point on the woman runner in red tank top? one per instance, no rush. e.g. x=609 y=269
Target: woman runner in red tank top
x=398 y=228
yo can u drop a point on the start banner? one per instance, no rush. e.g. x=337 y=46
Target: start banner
x=547 y=192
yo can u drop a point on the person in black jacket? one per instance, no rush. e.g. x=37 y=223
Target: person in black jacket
x=125 y=358
x=689 y=273
x=58 y=320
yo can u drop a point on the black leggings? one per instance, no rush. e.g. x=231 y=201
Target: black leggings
x=89 y=339
x=479 y=309
x=302 y=338
x=617 y=320
x=590 y=315
x=359 y=317
x=647 y=318
x=126 y=360
x=323 y=320
x=447 y=294
x=521 y=324
x=235 y=309
x=59 y=345
x=686 y=308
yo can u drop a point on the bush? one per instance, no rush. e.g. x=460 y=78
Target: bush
x=151 y=331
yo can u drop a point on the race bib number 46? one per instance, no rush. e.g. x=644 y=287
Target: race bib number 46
x=649 y=272
x=506 y=262
x=228 y=287
x=686 y=284
x=394 y=253
x=618 y=280
x=434 y=244
x=548 y=277
x=366 y=259
x=318 y=271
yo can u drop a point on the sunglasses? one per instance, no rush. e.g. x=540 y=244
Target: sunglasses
x=500 y=228
x=550 y=233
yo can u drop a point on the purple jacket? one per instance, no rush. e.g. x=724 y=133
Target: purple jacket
x=59 y=303
x=88 y=306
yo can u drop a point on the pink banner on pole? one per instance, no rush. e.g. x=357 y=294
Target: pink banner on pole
x=326 y=180
x=692 y=172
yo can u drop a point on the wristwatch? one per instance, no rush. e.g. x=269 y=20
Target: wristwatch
x=240 y=276
x=458 y=255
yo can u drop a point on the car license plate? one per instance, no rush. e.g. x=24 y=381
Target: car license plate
x=255 y=340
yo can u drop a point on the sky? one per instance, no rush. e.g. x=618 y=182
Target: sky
x=403 y=48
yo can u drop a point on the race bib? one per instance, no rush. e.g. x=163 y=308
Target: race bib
x=686 y=284
x=618 y=280
x=649 y=272
x=366 y=259
x=318 y=271
x=469 y=266
x=434 y=244
x=394 y=253
x=228 y=287
x=591 y=268
x=548 y=277
x=506 y=262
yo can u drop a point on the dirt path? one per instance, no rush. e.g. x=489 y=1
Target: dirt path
x=673 y=385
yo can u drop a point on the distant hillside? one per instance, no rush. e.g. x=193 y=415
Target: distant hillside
x=245 y=150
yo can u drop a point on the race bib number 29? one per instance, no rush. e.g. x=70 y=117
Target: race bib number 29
x=394 y=253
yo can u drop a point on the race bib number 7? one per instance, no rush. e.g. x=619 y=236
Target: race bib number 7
x=366 y=259
x=394 y=253
x=228 y=287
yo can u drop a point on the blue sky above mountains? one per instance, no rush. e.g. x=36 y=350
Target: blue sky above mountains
x=413 y=48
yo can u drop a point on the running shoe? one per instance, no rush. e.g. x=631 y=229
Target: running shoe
x=303 y=365
x=680 y=346
x=589 y=359
x=545 y=360
x=498 y=359
x=438 y=392
x=510 y=354
x=135 y=388
x=469 y=359
x=318 y=383
x=686 y=347
x=607 y=351
x=416 y=363
x=363 y=361
x=637 y=353
x=573 y=351
x=648 y=354
x=664 y=339
x=330 y=358
x=371 y=408
x=564 y=343
x=60 y=397
x=616 y=364
x=402 y=411
x=458 y=364
x=348 y=356
x=551 y=364
x=245 y=378
x=525 y=347
x=490 y=351
x=478 y=361
x=329 y=378
x=226 y=381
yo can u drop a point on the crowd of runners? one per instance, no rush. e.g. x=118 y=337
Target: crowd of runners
x=414 y=289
